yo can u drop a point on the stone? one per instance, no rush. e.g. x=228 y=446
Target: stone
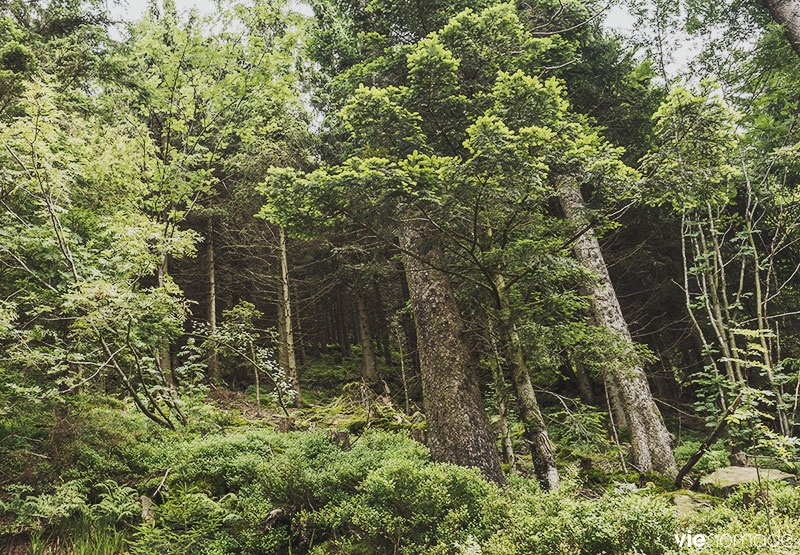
x=148 y=512
x=688 y=502
x=725 y=480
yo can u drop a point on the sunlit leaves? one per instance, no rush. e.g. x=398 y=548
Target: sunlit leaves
x=697 y=137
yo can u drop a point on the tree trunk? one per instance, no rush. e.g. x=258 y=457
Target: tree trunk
x=369 y=370
x=286 y=335
x=458 y=427
x=213 y=363
x=544 y=462
x=383 y=325
x=502 y=404
x=407 y=322
x=787 y=13
x=582 y=378
x=301 y=337
x=341 y=328
x=163 y=353
x=651 y=441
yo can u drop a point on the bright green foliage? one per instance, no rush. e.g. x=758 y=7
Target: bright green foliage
x=697 y=136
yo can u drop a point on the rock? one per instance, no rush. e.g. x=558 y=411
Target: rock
x=687 y=502
x=723 y=481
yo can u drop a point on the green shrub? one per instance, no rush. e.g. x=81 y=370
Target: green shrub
x=616 y=523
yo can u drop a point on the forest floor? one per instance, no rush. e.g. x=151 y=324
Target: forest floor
x=342 y=475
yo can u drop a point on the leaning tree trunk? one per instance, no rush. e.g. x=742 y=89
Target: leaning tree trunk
x=286 y=335
x=544 y=462
x=458 y=427
x=787 y=13
x=651 y=441
x=369 y=366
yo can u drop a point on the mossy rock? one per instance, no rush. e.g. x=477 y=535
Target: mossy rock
x=725 y=480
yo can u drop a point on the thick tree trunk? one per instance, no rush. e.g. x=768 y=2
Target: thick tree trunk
x=544 y=462
x=651 y=441
x=286 y=336
x=213 y=363
x=369 y=371
x=458 y=427
x=787 y=13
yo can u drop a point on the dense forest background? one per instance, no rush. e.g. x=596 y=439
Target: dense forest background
x=399 y=277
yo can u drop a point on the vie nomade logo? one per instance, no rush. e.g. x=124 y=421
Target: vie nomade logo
x=687 y=539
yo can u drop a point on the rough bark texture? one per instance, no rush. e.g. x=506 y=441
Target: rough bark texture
x=649 y=436
x=369 y=370
x=544 y=462
x=787 y=13
x=458 y=428
x=286 y=335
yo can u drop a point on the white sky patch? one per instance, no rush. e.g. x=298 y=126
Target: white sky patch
x=131 y=10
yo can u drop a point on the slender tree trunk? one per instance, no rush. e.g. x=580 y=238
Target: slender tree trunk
x=286 y=335
x=213 y=363
x=544 y=462
x=502 y=404
x=787 y=13
x=163 y=353
x=458 y=427
x=383 y=325
x=369 y=370
x=651 y=441
x=582 y=378
x=408 y=324
x=341 y=328
x=301 y=337
x=402 y=365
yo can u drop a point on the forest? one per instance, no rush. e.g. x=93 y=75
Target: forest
x=465 y=277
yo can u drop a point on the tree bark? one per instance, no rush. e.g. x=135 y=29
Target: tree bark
x=650 y=439
x=458 y=427
x=213 y=363
x=369 y=370
x=286 y=336
x=787 y=13
x=544 y=462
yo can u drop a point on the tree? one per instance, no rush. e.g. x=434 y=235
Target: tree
x=787 y=14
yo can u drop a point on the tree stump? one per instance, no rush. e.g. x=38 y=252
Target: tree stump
x=342 y=439
x=286 y=424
